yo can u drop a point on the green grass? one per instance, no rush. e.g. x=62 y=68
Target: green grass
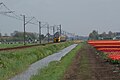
x=16 y=61
x=56 y=69
x=84 y=69
x=10 y=45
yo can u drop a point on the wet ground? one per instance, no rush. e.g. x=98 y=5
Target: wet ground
x=89 y=66
x=32 y=70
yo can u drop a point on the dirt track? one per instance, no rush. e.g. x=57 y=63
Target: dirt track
x=89 y=66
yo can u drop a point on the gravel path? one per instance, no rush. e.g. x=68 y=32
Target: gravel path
x=32 y=70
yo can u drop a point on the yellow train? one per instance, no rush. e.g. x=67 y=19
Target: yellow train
x=58 y=38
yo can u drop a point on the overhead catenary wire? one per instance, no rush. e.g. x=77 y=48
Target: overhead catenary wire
x=0 y=3
x=18 y=17
x=12 y=14
x=10 y=10
x=15 y=16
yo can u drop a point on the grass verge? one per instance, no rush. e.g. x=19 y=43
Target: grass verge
x=84 y=71
x=16 y=61
x=10 y=45
x=56 y=69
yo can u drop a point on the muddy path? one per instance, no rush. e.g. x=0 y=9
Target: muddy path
x=87 y=65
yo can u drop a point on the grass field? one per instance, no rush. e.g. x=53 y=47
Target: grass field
x=10 y=45
x=16 y=61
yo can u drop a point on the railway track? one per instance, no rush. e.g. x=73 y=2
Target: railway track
x=22 y=47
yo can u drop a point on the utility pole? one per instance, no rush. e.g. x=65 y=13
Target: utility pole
x=63 y=33
x=53 y=32
x=48 y=32
x=24 y=23
x=57 y=29
x=60 y=29
x=24 y=29
x=39 y=32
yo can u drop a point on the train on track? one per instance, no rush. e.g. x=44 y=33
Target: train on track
x=59 y=38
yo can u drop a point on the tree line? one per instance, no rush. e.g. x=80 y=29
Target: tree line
x=17 y=36
x=94 y=35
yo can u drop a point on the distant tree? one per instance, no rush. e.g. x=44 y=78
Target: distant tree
x=104 y=34
x=94 y=35
x=17 y=34
x=111 y=34
x=31 y=36
x=14 y=33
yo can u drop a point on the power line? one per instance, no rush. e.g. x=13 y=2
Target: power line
x=15 y=16
x=1 y=3
x=12 y=14
x=10 y=10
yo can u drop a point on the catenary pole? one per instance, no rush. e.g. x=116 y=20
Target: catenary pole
x=48 y=32
x=39 y=32
x=24 y=29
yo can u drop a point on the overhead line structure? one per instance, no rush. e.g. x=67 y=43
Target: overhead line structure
x=25 y=23
x=18 y=17
x=8 y=10
x=59 y=28
x=46 y=25
x=39 y=32
x=48 y=32
x=53 y=28
x=1 y=3
x=39 y=23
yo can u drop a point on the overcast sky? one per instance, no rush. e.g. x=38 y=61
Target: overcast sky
x=76 y=16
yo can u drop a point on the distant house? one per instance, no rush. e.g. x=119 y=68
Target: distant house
x=117 y=36
x=5 y=37
x=105 y=37
x=117 y=33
